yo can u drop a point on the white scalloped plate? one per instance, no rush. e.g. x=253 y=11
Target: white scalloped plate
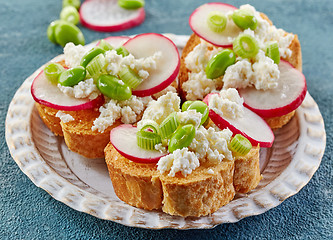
x=84 y=184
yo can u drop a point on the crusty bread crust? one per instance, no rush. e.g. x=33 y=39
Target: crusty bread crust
x=77 y=134
x=198 y=194
x=295 y=59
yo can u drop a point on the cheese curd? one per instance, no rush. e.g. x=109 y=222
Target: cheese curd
x=227 y=103
x=181 y=160
x=84 y=89
x=128 y=111
x=73 y=54
x=64 y=117
x=159 y=109
x=190 y=117
x=211 y=145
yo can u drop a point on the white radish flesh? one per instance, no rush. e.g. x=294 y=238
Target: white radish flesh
x=48 y=94
x=146 y=45
x=279 y=101
x=123 y=138
x=198 y=24
x=108 y=16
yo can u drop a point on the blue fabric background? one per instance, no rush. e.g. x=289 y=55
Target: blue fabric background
x=28 y=212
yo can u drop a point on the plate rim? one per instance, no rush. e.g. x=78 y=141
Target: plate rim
x=311 y=129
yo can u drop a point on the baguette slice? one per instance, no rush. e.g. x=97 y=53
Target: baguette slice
x=295 y=59
x=198 y=194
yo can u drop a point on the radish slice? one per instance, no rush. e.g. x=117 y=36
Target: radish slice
x=116 y=41
x=279 y=101
x=145 y=45
x=107 y=16
x=251 y=126
x=45 y=93
x=123 y=138
x=198 y=24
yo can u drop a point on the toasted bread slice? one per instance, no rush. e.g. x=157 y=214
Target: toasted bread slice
x=295 y=59
x=200 y=193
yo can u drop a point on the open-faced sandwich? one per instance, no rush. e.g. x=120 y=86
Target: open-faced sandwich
x=189 y=157
x=92 y=90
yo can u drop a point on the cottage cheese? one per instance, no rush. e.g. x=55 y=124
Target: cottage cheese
x=113 y=110
x=211 y=145
x=190 y=117
x=159 y=109
x=181 y=160
x=263 y=73
x=165 y=91
x=227 y=103
x=73 y=54
x=84 y=89
x=64 y=117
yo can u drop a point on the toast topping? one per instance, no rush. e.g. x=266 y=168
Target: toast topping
x=64 y=117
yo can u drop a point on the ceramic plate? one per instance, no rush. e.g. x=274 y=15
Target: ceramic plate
x=83 y=184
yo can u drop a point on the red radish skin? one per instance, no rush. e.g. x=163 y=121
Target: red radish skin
x=198 y=24
x=123 y=139
x=238 y=126
x=145 y=45
x=279 y=101
x=115 y=41
x=109 y=26
x=48 y=94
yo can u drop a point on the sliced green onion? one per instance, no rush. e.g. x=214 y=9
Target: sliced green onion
x=130 y=77
x=182 y=137
x=246 y=46
x=72 y=76
x=240 y=145
x=74 y=3
x=131 y=4
x=147 y=140
x=122 y=51
x=273 y=52
x=52 y=72
x=113 y=87
x=217 y=65
x=186 y=105
x=148 y=124
x=96 y=65
x=70 y=14
x=169 y=125
x=90 y=55
x=200 y=107
x=105 y=45
x=244 y=19
x=216 y=21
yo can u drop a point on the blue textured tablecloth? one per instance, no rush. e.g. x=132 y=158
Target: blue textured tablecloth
x=28 y=212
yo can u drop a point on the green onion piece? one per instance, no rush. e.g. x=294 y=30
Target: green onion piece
x=244 y=19
x=72 y=76
x=70 y=14
x=122 y=51
x=74 y=3
x=130 y=77
x=186 y=105
x=147 y=140
x=96 y=65
x=52 y=72
x=182 y=137
x=148 y=124
x=90 y=55
x=216 y=21
x=113 y=87
x=131 y=4
x=66 y=32
x=273 y=52
x=217 y=65
x=200 y=107
x=169 y=125
x=246 y=46
x=105 y=45
x=240 y=145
